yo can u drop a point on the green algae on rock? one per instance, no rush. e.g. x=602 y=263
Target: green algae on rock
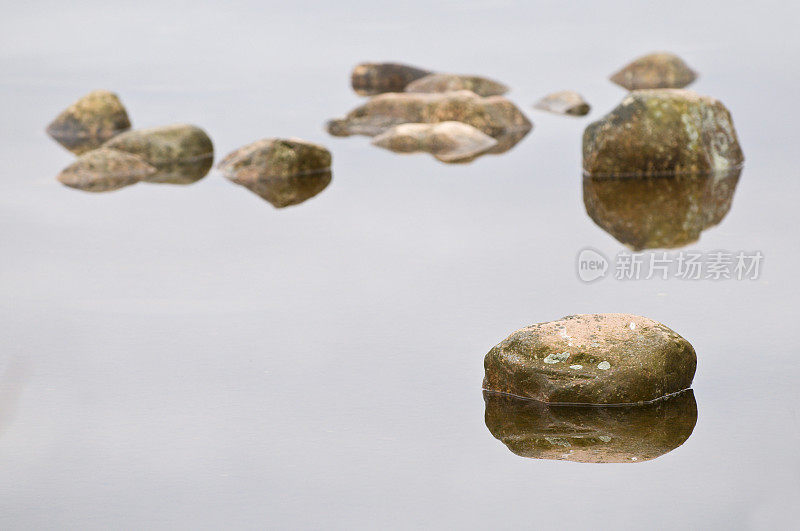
x=608 y=358
x=591 y=434
x=662 y=211
x=89 y=122
x=662 y=131
x=494 y=115
x=181 y=153
x=655 y=70
x=451 y=142
x=564 y=102
x=451 y=82
x=369 y=79
x=104 y=170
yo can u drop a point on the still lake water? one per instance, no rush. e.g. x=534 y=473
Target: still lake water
x=191 y=357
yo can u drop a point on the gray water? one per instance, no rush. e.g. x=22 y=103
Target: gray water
x=191 y=357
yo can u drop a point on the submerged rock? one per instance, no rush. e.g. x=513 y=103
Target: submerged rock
x=181 y=153
x=591 y=434
x=659 y=212
x=89 y=122
x=564 y=102
x=662 y=131
x=655 y=70
x=104 y=170
x=608 y=358
x=447 y=141
x=376 y=78
x=495 y=116
x=451 y=82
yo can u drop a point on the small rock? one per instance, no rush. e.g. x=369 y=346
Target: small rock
x=655 y=70
x=103 y=170
x=591 y=434
x=662 y=131
x=376 y=78
x=285 y=190
x=659 y=212
x=89 y=122
x=495 y=116
x=181 y=153
x=620 y=363
x=447 y=141
x=451 y=82
x=564 y=102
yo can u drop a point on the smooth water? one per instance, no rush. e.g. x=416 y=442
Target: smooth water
x=191 y=357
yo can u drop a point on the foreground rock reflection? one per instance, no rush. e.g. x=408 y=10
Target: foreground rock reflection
x=591 y=434
x=667 y=211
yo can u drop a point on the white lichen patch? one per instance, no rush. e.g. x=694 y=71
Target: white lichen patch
x=556 y=357
x=604 y=365
x=576 y=367
x=558 y=441
x=632 y=326
x=605 y=438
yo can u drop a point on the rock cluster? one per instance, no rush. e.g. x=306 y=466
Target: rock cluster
x=591 y=359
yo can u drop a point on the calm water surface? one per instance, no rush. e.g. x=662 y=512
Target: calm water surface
x=190 y=356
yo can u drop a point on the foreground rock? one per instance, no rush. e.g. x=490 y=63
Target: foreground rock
x=181 y=153
x=591 y=434
x=433 y=83
x=655 y=70
x=495 y=116
x=659 y=212
x=608 y=358
x=89 y=122
x=564 y=102
x=664 y=131
x=369 y=79
x=450 y=142
x=104 y=170
x=284 y=172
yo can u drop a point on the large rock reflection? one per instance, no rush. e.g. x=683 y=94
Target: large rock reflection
x=649 y=212
x=591 y=434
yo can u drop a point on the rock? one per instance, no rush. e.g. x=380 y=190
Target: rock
x=451 y=82
x=103 y=170
x=285 y=190
x=89 y=122
x=376 y=78
x=659 y=212
x=608 y=358
x=447 y=141
x=564 y=102
x=591 y=434
x=181 y=153
x=494 y=116
x=655 y=70
x=662 y=131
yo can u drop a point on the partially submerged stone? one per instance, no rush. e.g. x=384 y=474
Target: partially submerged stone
x=495 y=116
x=662 y=131
x=103 y=170
x=447 y=141
x=451 y=82
x=591 y=434
x=655 y=70
x=181 y=153
x=662 y=211
x=564 y=102
x=89 y=122
x=376 y=78
x=591 y=359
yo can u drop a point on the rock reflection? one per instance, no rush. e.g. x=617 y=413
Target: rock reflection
x=648 y=212
x=591 y=434
x=283 y=191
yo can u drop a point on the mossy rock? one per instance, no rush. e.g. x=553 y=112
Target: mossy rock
x=89 y=122
x=369 y=79
x=655 y=70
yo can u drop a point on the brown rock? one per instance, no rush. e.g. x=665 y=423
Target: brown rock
x=452 y=142
x=376 y=78
x=103 y=170
x=591 y=434
x=655 y=70
x=591 y=359
x=451 y=82
x=89 y=122
x=564 y=102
